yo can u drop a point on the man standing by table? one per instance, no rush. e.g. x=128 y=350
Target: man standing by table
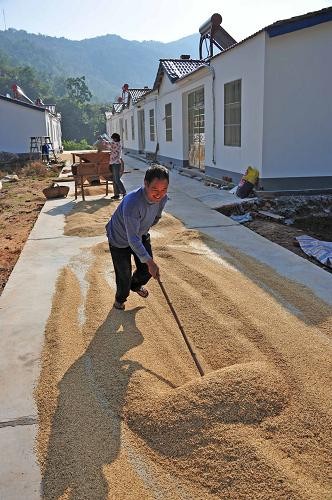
x=128 y=234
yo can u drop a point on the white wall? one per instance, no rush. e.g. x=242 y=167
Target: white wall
x=17 y=124
x=113 y=124
x=110 y=120
x=53 y=127
x=298 y=103
x=126 y=115
x=245 y=62
x=150 y=102
x=169 y=93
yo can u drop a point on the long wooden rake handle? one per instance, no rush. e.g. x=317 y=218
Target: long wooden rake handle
x=193 y=355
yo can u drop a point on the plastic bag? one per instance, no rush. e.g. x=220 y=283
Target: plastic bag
x=102 y=143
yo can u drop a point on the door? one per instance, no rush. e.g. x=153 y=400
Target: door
x=141 y=131
x=196 y=129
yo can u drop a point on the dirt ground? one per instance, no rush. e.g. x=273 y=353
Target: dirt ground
x=123 y=411
x=285 y=236
x=20 y=204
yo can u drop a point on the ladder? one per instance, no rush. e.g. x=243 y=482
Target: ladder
x=36 y=143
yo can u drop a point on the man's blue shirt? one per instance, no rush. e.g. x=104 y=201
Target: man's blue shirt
x=132 y=219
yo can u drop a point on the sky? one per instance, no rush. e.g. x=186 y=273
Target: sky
x=160 y=20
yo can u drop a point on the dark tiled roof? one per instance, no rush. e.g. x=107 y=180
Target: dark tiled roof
x=136 y=94
x=144 y=95
x=176 y=69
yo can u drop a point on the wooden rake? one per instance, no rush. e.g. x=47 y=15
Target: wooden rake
x=192 y=353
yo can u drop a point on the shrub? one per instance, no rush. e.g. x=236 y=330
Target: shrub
x=76 y=146
x=35 y=169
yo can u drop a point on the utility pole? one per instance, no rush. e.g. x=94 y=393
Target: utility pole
x=4 y=18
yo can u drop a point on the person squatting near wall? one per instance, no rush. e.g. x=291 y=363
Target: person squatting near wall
x=128 y=234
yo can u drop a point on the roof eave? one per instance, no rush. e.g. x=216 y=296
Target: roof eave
x=299 y=22
x=25 y=104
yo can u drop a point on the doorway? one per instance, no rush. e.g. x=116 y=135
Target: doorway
x=196 y=129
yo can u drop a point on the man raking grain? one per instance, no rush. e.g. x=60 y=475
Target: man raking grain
x=128 y=234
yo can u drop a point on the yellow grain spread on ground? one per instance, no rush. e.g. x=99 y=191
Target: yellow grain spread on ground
x=123 y=412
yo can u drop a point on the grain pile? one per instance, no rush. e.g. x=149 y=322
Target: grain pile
x=123 y=410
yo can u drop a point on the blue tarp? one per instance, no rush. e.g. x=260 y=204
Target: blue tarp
x=320 y=250
x=242 y=218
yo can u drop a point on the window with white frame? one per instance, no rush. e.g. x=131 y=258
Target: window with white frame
x=126 y=130
x=232 y=113
x=152 y=126
x=132 y=128
x=168 y=122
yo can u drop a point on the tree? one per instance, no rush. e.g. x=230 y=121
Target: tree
x=80 y=120
x=78 y=90
x=73 y=120
x=4 y=61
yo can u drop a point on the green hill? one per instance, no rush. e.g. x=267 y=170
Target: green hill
x=106 y=61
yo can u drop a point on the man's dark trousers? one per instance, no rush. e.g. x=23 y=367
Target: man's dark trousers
x=122 y=266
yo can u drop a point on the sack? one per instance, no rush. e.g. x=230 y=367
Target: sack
x=247 y=182
x=102 y=146
x=244 y=190
x=103 y=143
x=251 y=175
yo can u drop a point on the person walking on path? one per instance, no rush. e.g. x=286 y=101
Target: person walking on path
x=115 y=163
x=128 y=234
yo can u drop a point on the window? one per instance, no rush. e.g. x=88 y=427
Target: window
x=152 y=129
x=126 y=130
x=232 y=113
x=132 y=128
x=168 y=122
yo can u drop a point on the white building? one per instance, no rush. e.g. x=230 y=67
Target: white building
x=19 y=121
x=265 y=102
x=127 y=118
